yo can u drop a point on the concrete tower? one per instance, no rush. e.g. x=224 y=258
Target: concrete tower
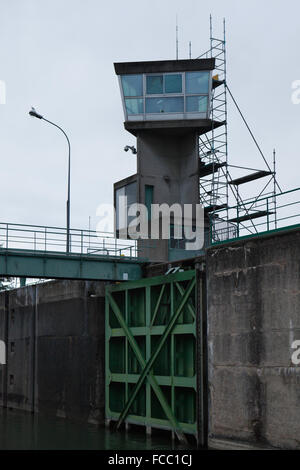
x=166 y=107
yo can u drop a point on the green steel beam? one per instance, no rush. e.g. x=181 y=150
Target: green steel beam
x=159 y=423
x=158 y=304
x=155 y=330
x=161 y=380
x=151 y=361
x=55 y=265
x=153 y=281
x=152 y=379
x=181 y=291
x=148 y=352
x=172 y=351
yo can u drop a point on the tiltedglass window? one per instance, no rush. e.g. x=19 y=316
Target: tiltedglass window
x=122 y=205
x=120 y=208
x=196 y=104
x=165 y=105
x=173 y=83
x=134 y=105
x=196 y=82
x=164 y=93
x=132 y=85
x=154 y=84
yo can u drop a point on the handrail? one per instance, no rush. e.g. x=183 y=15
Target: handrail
x=274 y=209
x=54 y=227
x=40 y=238
x=261 y=199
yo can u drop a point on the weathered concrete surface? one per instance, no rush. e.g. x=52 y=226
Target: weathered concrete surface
x=253 y=316
x=253 y=295
x=170 y=165
x=55 y=341
x=3 y=335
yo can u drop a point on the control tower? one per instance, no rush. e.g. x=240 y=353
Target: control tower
x=166 y=107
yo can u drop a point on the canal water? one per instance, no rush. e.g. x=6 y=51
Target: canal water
x=24 y=431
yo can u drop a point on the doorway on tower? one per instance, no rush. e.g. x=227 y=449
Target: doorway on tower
x=179 y=247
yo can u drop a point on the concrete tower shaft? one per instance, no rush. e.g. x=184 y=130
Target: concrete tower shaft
x=166 y=107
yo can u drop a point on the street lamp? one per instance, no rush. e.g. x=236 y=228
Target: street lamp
x=39 y=116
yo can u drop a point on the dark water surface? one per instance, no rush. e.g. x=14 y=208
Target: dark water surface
x=24 y=431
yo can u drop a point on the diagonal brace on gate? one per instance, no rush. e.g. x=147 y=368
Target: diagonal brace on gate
x=190 y=308
x=142 y=362
x=158 y=304
x=152 y=359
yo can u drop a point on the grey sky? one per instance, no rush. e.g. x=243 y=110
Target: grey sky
x=58 y=56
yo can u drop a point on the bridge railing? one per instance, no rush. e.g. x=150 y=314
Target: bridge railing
x=54 y=239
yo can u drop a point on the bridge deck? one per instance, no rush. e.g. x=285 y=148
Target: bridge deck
x=39 y=252
x=56 y=265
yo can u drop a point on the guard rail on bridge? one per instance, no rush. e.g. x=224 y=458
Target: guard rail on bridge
x=43 y=238
x=40 y=252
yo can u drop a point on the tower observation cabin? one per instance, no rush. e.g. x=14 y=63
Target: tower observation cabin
x=165 y=91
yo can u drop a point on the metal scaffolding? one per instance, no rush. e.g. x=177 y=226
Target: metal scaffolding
x=230 y=213
x=213 y=145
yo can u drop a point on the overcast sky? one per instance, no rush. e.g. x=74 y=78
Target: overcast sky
x=57 y=55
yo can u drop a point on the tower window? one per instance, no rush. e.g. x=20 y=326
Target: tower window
x=160 y=84
x=134 y=105
x=173 y=83
x=196 y=82
x=196 y=104
x=132 y=85
x=163 y=96
x=129 y=192
x=155 y=84
x=165 y=105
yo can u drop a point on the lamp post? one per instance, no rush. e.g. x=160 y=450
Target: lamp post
x=39 y=116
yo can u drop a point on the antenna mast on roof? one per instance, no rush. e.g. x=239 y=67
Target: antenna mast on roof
x=176 y=37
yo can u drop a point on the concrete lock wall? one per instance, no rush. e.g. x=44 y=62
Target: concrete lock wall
x=55 y=340
x=253 y=318
x=55 y=349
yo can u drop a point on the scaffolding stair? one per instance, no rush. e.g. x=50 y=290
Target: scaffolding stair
x=209 y=168
x=251 y=177
x=254 y=215
x=214 y=207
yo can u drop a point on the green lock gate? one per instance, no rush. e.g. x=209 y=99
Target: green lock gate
x=151 y=353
